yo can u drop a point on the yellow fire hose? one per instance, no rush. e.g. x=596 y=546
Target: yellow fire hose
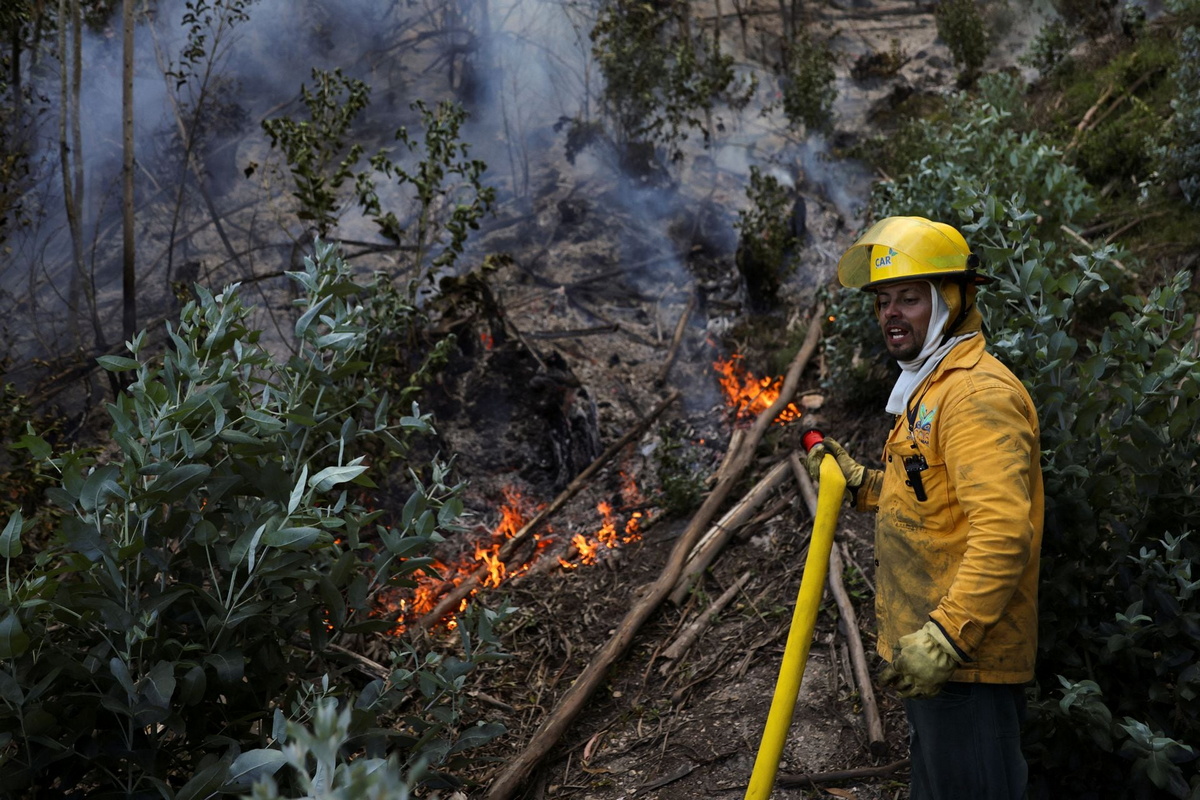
x=804 y=620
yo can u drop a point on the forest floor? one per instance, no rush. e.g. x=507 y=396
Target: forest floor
x=690 y=727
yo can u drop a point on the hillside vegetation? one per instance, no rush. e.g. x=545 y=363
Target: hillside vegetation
x=197 y=609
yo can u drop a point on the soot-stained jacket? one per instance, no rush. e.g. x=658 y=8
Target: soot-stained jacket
x=967 y=555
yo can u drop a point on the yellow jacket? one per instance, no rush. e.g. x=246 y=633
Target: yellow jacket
x=966 y=556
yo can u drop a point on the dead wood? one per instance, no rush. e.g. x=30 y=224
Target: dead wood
x=650 y=597
x=1090 y=120
x=451 y=601
x=735 y=443
x=715 y=539
x=793 y=781
x=1131 y=225
x=693 y=631
x=680 y=327
x=1087 y=117
x=572 y=333
x=858 y=658
x=586 y=309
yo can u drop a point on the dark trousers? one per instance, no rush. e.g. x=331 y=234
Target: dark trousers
x=966 y=743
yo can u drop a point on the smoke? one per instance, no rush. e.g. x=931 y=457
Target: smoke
x=519 y=67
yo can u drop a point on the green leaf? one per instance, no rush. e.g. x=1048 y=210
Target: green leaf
x=205 y=784
x=192 y=686
x=296 y=538
x=118 y=363
x=478 y=736
x=178 y=482
x=38 y=449
x=329 y=477
x=99 y=486
x=120 y=671
x=13 y=639
x=253 y=765
x=10 y=539
x=298 y=490
x=230 y=665
x=10 y=689
x=159 y=686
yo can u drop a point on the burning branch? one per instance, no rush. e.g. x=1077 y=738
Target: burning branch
x=652 y=596
x=451 y=602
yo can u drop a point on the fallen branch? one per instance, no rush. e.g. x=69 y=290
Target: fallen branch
x=1091 y=121
x=692 y=632
x=1087 y=118
x=719 y=534
x=1131 y=225
x=858 y=658
x=648 y=599
x=452 y=600
x=572 y=333
x=793 y=781
x=680 y=327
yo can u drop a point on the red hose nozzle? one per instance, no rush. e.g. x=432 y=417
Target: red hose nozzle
x=811 y=438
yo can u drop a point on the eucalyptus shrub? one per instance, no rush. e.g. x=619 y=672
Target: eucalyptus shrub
x=1181 y=154
x=1120 y=415
x=767 y=237
x=662 y=77
x=808 y=88
x=960 y=26
x=210 y=576
x=1049 y=52
x=318 y=151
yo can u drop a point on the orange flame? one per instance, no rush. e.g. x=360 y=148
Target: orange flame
x=433 y=582
x=488 y=341
x=750 y=396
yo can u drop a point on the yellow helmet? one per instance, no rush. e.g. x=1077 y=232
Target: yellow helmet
x=908 y=248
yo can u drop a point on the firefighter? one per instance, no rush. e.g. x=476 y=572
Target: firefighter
x=958 y=507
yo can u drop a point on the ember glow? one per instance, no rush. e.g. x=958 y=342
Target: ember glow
x=748 y=395
x=614 y=531
x=611 y=535
x=440 y=578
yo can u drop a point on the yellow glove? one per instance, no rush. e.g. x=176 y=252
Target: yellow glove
x=853 y=471
x=925 y=662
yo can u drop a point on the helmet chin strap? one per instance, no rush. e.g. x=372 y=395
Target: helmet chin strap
x=962 y=311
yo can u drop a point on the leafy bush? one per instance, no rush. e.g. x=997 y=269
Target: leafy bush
x=1122 y=148
x=1049 y=49
x=208 y=580
x=767 y=237
x=807 y=83
x=662 y=77
x=960 y=26
x=678 y=465
x=1120 y=413
x=448 y=194
x=1181 y=155
x=318 y=155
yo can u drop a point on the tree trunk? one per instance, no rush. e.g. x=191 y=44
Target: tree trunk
x=128 y=283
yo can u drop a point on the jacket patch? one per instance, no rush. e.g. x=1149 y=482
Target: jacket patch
x=923 y=426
